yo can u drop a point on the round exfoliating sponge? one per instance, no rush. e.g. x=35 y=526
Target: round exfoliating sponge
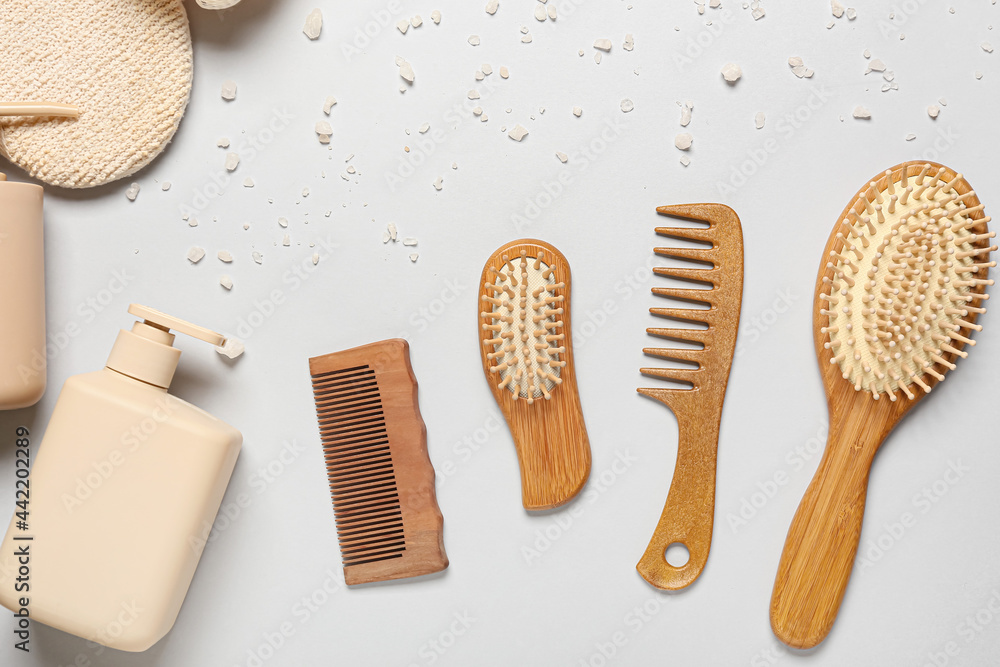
x=127 y=66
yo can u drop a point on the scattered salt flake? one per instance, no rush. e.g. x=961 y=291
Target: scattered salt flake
x=685 y=160
x=504 y=72
x=540 y=13
x=732 y=72
x=487 y=69
x=987 y=47
x=195 y=254
x=757 y=13
x=328 y=105
x=232 y=161
x=758 y=120
x=409 y=241
x=315 y=258
x=225 y=256
x=597 y=57
x=551 y=11
x=286 y=240
x=478 y=111
x=417 y=21
x=933 y=110
x=519 y=132
x=683 y=141
x=473 y=94
x=314 y=24
x=979 y=75
x=165 y=185
x=257 y=257
x=436 y=17
x=438 y=183
x=222 y=143
x=423 y=128
x=229 y=90
x=323 y=127
x=799 y=68
x=413 y=256
x=226 y=282
x=403 y=26
x=405 y=70
x=867 y=54
x=829 y=26
x=627 y=105
x=836 y=8
x=524 y=30
x=351 y=169
x=526 y=39
x=385 y=237
x=875 y=66
x=474 y=40
x=305 y=192
x=248 y=182
x=193 y=222
x=283 y=222
x=132 y=192
x=911 y=137
x=562 y=157
x=862 y=113
x=479 y=75
x=492 y=6
x=629 y=42
x=851 y=14
x=577 y=111
x=454 y=165
x=232 y=347
x=602 y=44
x=392 y=230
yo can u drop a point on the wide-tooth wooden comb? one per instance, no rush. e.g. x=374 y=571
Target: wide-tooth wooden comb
x=375 y=444
x=539 y=399
x=901 y=282
x=689 y=512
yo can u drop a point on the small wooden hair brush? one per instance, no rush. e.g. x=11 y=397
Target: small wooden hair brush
x=900 y=285
x=527 y=354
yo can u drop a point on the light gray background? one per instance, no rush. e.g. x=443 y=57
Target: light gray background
x=580 y=591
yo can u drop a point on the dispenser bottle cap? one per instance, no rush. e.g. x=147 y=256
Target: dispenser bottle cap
x=146 y=353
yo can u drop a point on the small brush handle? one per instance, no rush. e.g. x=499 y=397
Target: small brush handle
x=689 y=512
x=823 y=539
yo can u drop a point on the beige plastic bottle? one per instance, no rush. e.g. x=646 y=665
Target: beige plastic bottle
x=123 y=491
x=22 y=295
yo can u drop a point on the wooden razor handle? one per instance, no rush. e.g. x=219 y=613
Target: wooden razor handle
x=823 y=539
x=689 y=512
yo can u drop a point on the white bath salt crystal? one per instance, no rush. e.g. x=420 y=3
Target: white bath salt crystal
x=540 y=14
x=474 y=40
x=577 y=111
x=911 y=137
x=225 y=256
x=305 y=192
x=438 y=183
x=413 y=256
x=405 y=70
x=323 y=127
x=283 y=222
x=851 y=14
x=867 y=54
x=345 y=177
x=888 y=75
x=436 y=17
x=829 y=26
x=323 y=138
x=484 y=118
x=328 y=104
x=951 y=10
x=683 y=141
x=580 y=53
x=314 y=24
x=409 y=241
x=524 y=30
x=229 y=90
x=886 y=87
x=875 y=66
x=714 y=4
x=403 y=26
x=987 y=47
x=685 y=116
x=685 y=160
x=165 y=186
x=226 y=282
x=195 y=254
x=132 y=192
x=492 y=6
x=562 y=157
x=799 y=68
x=233 y=347
x=757 y=13
x=541 y=110
x=248 y=182
x=519 y=132
x=597 y=57
x=257 y=257
x=478 y=111
x=232 y=161
x=392 y=230
x=315 y=258
x=629 y=42
x=223 y=142
x=473 y=94
x=902 y=36
x=933 y=111
x=732 y=72
x=551 y=11
x=862 y=113
x=352 y=170
x=836 y=8
x=487 y=69
x=627 y=105
x=602 y=44
x=423 y=128
x=385 y=237
x=286 y=240
x=479 y=75
x=526 y=39
x=193 y=222
x=416 y=21
x=979 y=75
x=454 y=165
x=758 y=120
x=504 y=72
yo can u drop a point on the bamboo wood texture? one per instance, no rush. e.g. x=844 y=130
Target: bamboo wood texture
x=550 y=436
x=822 y=541
x=689 y=512
x=381 y=479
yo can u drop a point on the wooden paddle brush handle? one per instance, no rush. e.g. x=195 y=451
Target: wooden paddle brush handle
x=690 y=508
x=823 y=539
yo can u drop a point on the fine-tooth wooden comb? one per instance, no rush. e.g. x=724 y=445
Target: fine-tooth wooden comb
x=375 y=444
x=690 y=508
x=527 y=354
x=901 y=283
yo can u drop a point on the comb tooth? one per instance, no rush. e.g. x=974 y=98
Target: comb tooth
x=691 y=335
x=686 y=314
x=701 y=275
x=689 y=233
x=675 y=374
x=700 y=295
x=697 y=254
x=676 y=354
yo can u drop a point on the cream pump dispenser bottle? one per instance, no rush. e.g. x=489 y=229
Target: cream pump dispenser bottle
x=124 y=490
x=22 y=295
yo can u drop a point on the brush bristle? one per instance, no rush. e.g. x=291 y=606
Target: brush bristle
x=522 y=311
x=906 y=272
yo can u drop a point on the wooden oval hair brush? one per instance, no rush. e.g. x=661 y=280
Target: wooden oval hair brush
x=900 y=285
x=527 y=353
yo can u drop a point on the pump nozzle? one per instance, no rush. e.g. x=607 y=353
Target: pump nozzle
x=146 y=353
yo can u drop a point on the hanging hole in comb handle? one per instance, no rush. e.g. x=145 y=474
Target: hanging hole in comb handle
x=677 y=555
